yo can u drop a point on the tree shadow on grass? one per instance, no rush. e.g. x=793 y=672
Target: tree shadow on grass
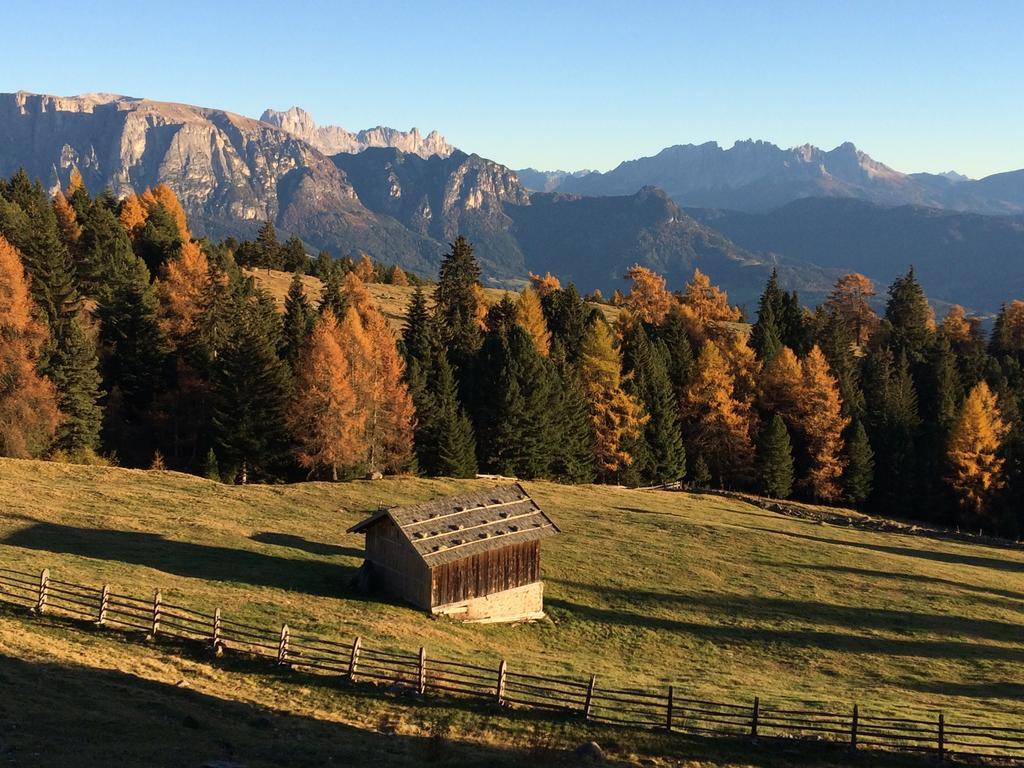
x=783 y=611
x=298 y=542
x=200 y=561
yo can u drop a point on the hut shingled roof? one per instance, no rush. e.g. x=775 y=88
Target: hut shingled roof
x=454 y=527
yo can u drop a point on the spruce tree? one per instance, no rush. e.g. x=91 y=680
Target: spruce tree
x=766 y=335
x=569 y=318
x=574 y=455
x=419 y=332
x=267 y=249
x=456 y=303
x=105 y=256
x=160 y=238
x=909 y=318
x=293 y=256
x=211 y=467
x=700 y=475
x=298 y=320
x=74 y=371
x=679 y=365
x=452 y=439
x=858 y=478
x=333 y=295
x=775 y=460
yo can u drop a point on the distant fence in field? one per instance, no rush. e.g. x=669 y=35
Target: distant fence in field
x=668 y=709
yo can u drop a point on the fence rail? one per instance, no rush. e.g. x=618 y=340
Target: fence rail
x=354 y=661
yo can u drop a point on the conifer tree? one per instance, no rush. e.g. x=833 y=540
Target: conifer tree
x=211 y=467
x=705 y=307
x=616 y=416
x=76 y=376
x=324 y=418
x=823 y=423
x=180 y=289
x=544 y=286
x=849 y=300
x=977 y=467
x=365 y=269
x=679 y=365
x=910 y=319
x=718 y=427
x=530 y=317
x=775 y=460
x=858 y=476
x=333 y=295
x=398 y=276
x=419 y=335
x=293 y=256
x=161 y=237
x=132 y=216
x=665 y=458
x=700 y=475
x=105 y=257
x=67 y=220
x=569 y=318
x=836 y=342
x=648 y=300
x=574 y=454
x=298 y=320
x=451 y=430
x=28 y=401
x=765 y=337
x=457 y=302
x=267 y=249
x=782 y=386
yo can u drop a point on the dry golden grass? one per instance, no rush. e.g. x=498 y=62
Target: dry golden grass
x=718 y=597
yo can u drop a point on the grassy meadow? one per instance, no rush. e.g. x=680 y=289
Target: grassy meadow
x=643 y=588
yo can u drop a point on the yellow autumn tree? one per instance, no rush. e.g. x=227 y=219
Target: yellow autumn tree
x=357 y=295
x=705 y=306
x=164 y=195
x=955 y=325
x=481 y=306
x=822 y=423
x=28 y=402
x=615 y=415
x=398 y=276
x=545 y=285
x=133 y=215
x=744 y=367
x=182 y=282
x=324 y=420
x=67 y=219
x=977 y=468
x=782 y=385
x=75 y=182
x=849 y=299
x=365 y=269
x=531 y=317
x=718 y=426
x=648 y=299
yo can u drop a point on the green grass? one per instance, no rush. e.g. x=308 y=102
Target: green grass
x=718 y=597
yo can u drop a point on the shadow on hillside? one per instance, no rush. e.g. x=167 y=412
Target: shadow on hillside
x=200 y=561
x=982 y=690
x=772 y=610
x=952 y=558
x=298 y=542
x=992 y=595
x=73 y=715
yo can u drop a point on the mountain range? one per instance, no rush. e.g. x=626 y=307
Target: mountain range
x=402 y=197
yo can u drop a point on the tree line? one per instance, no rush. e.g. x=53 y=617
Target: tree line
x=124 y=338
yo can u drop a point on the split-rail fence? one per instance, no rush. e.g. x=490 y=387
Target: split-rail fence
x=354 y=660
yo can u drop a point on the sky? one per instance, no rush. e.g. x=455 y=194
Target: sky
x=921 y=86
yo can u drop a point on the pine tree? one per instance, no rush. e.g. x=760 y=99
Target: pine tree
x=977 y=467
x=161 y=237
x=700 y=475
x=298 y=320
x=860 y=466
x=574 y=454
x=251 y=400
x=211 y=467
x=665 y=458
x=766 y=335
x=451 y=429
x=324 y=418
x=457 y=303
x=333 y=296
x=679 y=366
x=909 y=318
x=615 y=415
x=28 y=402
x=76 y=376
x=293 y=256
x=267 y=249
x=569 y=319
x=775 y=460
x=105 y=257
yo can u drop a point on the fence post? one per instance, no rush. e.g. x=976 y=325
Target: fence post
x=282 y=646
x=590 y=697
x=753 y=719
x=668 y=710
x=854 y=722
x=942 y=737
x=421 y=681
x=353 y=659
x=500 y=688
x=101 y=618
x=216 y=631
x=44 y=590
x=157 y=601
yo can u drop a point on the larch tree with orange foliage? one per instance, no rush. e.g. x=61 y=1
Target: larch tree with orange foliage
x=530 y=316
x=718 y=425
x=181 y=289
x=28 y=402
x=956 y=326
x=648 y=299
x=545 y=285
x=365 y=270
x=163 y=195
x=822 y=423
x=398 y=277
x=973 y=454
x=324 y=419
x=616 y=417
x=849 y=299
x=782 y=387
x=67 y=220
x=705 y=307
x=133 y=215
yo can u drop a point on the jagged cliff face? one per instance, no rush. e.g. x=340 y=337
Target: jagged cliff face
x=330 y=139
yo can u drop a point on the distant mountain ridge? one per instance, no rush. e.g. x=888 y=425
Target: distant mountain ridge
x=331 y=139
x=759 y=176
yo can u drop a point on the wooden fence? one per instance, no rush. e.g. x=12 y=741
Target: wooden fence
x=355 y=661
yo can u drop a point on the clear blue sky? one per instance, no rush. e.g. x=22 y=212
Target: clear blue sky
x=921 y=86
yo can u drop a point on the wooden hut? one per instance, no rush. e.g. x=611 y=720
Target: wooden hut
x=475 y=557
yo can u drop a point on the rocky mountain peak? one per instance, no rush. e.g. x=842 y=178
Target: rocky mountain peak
x=332 y=139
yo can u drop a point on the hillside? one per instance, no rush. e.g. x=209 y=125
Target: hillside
x=713 y=595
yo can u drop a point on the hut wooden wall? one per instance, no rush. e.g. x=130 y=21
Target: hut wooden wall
x=486 y=573
x=397 y=565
